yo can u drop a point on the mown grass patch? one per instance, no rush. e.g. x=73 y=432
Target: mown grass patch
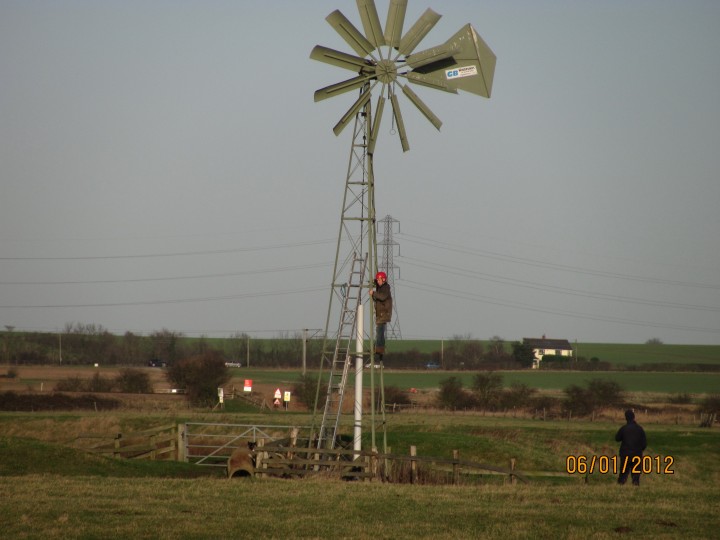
x=88 y=507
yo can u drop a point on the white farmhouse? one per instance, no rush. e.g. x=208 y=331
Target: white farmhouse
x=542 y=346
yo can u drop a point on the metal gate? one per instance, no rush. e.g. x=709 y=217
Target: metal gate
x=212 y=444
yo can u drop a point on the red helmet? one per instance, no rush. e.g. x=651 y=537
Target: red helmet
x=381 y=275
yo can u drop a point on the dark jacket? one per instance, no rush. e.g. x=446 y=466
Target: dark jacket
x=383 y=303
x=632 y=439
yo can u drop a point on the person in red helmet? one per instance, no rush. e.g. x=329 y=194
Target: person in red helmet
x=382 y=298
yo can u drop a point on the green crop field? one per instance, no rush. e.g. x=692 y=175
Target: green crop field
x=629 y=354
x=616 y=353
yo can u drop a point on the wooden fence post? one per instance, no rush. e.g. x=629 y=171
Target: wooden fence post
x=456 y=467
x=374 y=462
x=181 y=442
x=513 y=479
x=173 y=443
x=413 y=465
x=116 y=453
x=260 y=458
x=293 y=442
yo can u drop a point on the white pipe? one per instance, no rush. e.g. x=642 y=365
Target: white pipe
x=358 y=381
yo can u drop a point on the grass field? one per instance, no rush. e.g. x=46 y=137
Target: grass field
x=52 y=491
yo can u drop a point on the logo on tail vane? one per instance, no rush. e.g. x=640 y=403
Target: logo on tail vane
x=456 y=73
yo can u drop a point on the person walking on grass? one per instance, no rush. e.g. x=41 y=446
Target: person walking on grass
x=382 y=298
x=632 y=441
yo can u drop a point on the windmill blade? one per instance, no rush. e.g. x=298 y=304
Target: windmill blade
x=341 y=87
x=376 y=125
x=418 y=31
x=340 y=59
x=399 y=122
x=349 y=33
x=435 y=54
x=394 y=23
x=352 y=111
x=412 y=96
x=371 y=22
x=436 y=83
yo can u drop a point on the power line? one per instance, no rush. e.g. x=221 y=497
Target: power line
x=435 y=289
x=172 y=278
x=175 y=301
x=551 y=288
x=552 y=266
x=176 y=254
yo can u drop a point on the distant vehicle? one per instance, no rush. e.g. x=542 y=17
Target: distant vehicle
x=233 y=364
x=432 y=365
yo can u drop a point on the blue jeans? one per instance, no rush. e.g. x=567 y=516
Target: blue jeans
x=380 y=336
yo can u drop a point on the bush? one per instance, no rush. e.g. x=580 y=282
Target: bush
x=488 y=390
x=394 y=395
x=518 y=395
x=599 y=393
x=98 y=384
x=710 y=404
x=606 y=393
x=453 y=396
x=578 y=400
x=305 y=390
x=133 y=381
x=71 y=384
x=548 y=405
x=523 y=354
x=681 y=399
x=200 y=376
x=709 y=410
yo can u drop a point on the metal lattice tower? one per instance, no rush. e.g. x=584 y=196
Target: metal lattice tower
x=357 y=220
x=357 y=236
x=387 y=251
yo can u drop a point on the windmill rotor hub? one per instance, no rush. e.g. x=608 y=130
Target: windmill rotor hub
x=386 y=71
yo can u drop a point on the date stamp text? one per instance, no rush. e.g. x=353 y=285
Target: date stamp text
x=615 y=464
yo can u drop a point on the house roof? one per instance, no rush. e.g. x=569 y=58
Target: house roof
x=544 y=343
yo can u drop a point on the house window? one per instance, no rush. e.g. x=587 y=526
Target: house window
x=558 y=352
x=541 y=351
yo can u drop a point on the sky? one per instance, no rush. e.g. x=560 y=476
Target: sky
x=163 y=165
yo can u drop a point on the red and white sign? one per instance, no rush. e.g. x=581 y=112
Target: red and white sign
x=248 y=385
x=278 y=394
